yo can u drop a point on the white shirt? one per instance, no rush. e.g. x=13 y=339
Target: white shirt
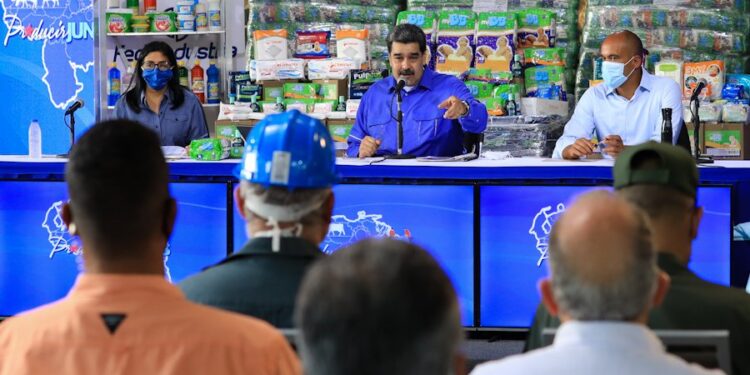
x=611 y=348
x=603 y=112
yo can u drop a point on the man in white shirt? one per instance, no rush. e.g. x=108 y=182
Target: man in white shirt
x=602 y=294
x=624 y=110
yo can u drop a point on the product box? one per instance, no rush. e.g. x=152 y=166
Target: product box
x=301 y=90
x=118 y=20
x=707 y=111
x=209 y=149
x=340 y=130
x=352 y=105
x=232 y=134
x=337 y=68
x=734 y=112
x=543 y=107
x=671 y=69
x=271 y=44
x=729 y=141
x=361 y=80
x=331 y=89
x=272 y=90
x=302 y=105
x=544 y=56
x=269 y=70
x=709 y=72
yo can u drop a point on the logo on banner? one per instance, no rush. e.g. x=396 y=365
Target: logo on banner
x=343 y=231
x=541 y=227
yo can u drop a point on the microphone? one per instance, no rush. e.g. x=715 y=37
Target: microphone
x=74 y=107
x=400 y=85
x=697 y=91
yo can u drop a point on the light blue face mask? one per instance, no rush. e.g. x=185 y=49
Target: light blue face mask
x=613 y=73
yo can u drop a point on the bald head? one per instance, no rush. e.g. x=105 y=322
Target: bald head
x=626 y=40
x=601 y=259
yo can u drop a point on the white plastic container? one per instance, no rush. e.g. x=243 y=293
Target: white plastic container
x=185 y=8
x=186 y=23
x=214 y=15
x=201 y=17
x=35 y=140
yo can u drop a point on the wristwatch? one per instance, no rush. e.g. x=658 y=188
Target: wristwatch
x=467 y=109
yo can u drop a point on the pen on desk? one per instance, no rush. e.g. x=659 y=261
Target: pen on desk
x=359 y=139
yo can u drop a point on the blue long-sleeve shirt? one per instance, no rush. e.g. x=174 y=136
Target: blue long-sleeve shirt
x=175 y=127
x=602 y=112
x=426 y=132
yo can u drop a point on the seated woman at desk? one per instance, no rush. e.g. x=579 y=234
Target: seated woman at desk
x=156 y=99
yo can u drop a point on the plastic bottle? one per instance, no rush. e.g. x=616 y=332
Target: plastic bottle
x=201 y=17
x=212 y=81
x=183 y=73
x=199 y=85
x=280 y=107
x=113 y=4
x=149 y=6
x=341 y=107
x=214 y=15
x=511 y=107
x=254 y=104
x=113 y=84
x=35 y=140
x=133 y=4
x=666 y=125
x=127 y=77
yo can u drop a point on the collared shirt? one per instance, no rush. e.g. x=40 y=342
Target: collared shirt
x=602 y=112
x=721 y=308
x=597 y=348
x=426 y=132
x=175 y=127
x=256 y=281
x=138 y=324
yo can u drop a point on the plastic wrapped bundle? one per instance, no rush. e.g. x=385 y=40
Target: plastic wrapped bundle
x=318 y=12
x=694 y=39
x=523 y=135
x=650 y=17
x=700 y=4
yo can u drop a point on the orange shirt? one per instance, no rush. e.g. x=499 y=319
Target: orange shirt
x=139 y=324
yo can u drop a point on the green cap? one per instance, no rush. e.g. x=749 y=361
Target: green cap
x=675 y=168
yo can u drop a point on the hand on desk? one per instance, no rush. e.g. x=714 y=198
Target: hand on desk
x=614 y=145
x=582 y=147
x=368 y=147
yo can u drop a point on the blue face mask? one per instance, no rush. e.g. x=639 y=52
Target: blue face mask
x=614 y=73
x=157 y=79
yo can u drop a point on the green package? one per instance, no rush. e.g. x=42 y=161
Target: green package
x=301 y=90
x=544 y=56
x=546 y=82
x=479 y=89
x=495 y=106
x=163 y=21
x=309 y=103
x=530 y=23
x=330 y=91
x=340 y=132
x=424 y=19
x=505 y=91
x=118 y=22
x=233 y=135
x=209 y=149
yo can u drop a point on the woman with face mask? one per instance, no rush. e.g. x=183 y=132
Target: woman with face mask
x=155 y=98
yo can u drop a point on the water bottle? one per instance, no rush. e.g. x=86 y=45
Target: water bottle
x=212 y=83
x=35 y=140
x=666 y=125
x=113 y=85
x=511 y=106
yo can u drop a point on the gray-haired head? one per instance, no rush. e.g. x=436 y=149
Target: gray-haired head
x=378 y=307
x=602 y=263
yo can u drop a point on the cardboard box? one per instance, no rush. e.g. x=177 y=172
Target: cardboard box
x=340 y=130
x=301 y=90
x=726 y=141
x=543 y=107
x=331 y=89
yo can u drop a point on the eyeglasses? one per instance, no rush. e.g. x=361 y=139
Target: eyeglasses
x=163 y=66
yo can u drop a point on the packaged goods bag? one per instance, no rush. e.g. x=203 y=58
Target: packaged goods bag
x=455 y=42
x=495 y=41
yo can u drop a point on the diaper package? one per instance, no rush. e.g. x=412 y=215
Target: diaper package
x=267 y=70
x=312 y=45
x=270 y=44
x=545 y=82
x=209 y=149
x=495 y=44
x=427 y=21
x=455 y=42
x=337 y=68
x=709 y=72
x=544 y=56
x=360 y=81
x=352 y=44
x=741 y=80
x=536 y=28
x=671 y=69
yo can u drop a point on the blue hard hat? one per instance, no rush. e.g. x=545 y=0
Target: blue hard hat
x=291 y=150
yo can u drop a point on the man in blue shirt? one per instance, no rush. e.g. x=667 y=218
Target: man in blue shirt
x=437 y=108
x=625 y=109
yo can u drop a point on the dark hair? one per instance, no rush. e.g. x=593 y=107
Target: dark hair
x=408 y=33
x=378 y=307
x=117 y=184
x=137 y=85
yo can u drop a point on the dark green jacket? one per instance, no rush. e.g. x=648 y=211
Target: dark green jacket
x=256 y=281
x=691 y=303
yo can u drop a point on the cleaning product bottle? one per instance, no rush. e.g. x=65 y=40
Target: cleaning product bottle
x=35 y=140
x=254 y=104
x=341 y=106
x=127 y=77
x=201 y=17
x=183 y=73
x=113 y=84
x=214 y=15
x=280 y=107
x=199 y=85
x=212 y=74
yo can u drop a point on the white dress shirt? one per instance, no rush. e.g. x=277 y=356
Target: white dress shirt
x=611 y=348
x=603 y=112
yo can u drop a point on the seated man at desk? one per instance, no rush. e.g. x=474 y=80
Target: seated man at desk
x=437 y=108
x=625 y=109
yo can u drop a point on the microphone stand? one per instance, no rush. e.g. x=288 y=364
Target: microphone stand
x=72 y=128
x=694 y=106
x=399 y=131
